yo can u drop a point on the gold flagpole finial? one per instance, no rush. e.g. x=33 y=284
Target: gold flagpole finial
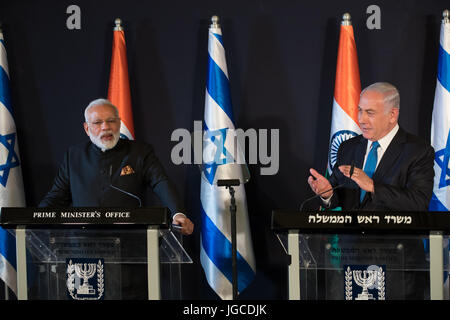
x=118 y=26
x=446 y=16
x=346 y=19
x=215 y=22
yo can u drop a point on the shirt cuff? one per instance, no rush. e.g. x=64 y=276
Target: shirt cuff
x=326 y=202
x=178 y=214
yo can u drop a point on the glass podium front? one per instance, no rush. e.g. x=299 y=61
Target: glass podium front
x=361 y=267
x=94 y=264
x=365 y=255
x=95 y=253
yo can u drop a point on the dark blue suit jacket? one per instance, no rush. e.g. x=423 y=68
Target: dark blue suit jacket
x=403 y=179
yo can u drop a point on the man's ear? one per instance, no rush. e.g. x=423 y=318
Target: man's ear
x=86 y=128
x=395 y=114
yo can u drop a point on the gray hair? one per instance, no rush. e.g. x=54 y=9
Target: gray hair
x=389 y=92
x=100 y=102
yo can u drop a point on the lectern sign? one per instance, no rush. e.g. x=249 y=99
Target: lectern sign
x=57 y=217
x=356 y=221
x=85 y=279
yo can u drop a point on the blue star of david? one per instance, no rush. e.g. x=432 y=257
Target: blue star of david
x=443 y=164
x=221 y=157
x=12 y=161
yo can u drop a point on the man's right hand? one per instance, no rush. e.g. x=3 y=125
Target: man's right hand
x=319 y=184
x=187 y=227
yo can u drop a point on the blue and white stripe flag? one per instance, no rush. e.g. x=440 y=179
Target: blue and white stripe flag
x=11 y=183
x=440 y=134
x=440 y=125
x=219 y=163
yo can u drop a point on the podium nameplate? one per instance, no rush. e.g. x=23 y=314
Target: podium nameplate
x=356 y=221
x=68 y=217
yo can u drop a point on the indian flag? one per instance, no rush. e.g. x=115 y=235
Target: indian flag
x=119 y=86
x=344 y=121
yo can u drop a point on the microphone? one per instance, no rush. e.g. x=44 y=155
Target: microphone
x=352 y=168
x=319 y=194
x=228 y=182
x=123 y=191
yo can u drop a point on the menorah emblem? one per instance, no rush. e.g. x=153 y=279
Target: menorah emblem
x=85 y=271
x=365 y=279
x=80 y=270
x=369 y=277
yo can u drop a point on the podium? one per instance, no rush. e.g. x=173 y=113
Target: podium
x=363 y=255
x=95 y=253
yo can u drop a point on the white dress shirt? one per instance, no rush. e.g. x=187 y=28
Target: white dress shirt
x=384 y=144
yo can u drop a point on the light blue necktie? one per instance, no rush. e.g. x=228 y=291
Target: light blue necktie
x=371 y=164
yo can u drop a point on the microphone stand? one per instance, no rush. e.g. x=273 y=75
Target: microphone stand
x=318 y=195
x=127 y=193
x=120 y=190
x=229 y=183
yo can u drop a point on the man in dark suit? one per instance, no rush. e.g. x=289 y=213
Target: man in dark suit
x=111 y=172
x=392 y=169
x=403 y=179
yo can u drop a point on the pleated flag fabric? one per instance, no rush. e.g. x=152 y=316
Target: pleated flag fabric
x=440 y=125
x=219 y=161
x=119 y=86
x=344 y=122
x=440 y=136
x=11 y=182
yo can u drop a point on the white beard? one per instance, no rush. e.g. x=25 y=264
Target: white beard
x=105 y=145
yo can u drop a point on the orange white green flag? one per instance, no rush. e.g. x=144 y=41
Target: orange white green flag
x=119 y=86
x=344 y=121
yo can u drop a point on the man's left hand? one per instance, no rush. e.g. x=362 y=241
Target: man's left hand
x=359 y=176
x=187 y=227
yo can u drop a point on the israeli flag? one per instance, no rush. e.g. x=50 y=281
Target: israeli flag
x=219 y=162
x=11 y=183
x=440 y=125
x=440 y=134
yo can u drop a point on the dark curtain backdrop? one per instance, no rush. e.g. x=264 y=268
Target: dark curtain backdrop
x=281 y=58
